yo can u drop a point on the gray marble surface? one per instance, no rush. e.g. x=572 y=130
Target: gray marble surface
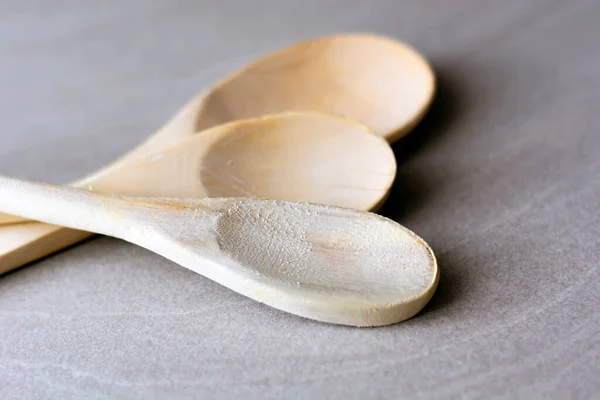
x=502 y=179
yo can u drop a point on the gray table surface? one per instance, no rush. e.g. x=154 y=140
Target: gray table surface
x=502 y=179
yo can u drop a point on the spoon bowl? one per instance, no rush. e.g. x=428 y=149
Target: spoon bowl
x=326 y=263
x=301 y=157
x=373 y=79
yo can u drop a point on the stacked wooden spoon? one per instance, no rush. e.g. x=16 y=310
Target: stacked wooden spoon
x=263 y=183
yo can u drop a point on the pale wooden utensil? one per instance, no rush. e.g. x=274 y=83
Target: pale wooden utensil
x=297 y=156
x=373 y=79
x=322 y=262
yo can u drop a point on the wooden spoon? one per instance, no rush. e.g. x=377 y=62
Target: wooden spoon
x=373 y=79
x=326 y=263
x=310 y=157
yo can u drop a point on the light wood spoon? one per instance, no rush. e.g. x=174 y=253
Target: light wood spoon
x=327 y=263
x=310 y=157
x=376 y=80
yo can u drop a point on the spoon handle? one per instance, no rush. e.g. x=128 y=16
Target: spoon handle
x=8 y=219
x=21 y=244
x=64 y=206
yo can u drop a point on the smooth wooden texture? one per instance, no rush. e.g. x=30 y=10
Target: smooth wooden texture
x=326 y=263
x=373 y=79
x=311 y=157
